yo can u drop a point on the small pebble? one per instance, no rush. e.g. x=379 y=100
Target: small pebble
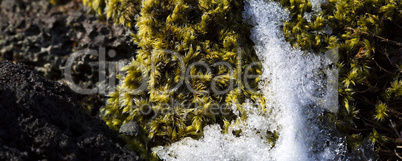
x=129 y=128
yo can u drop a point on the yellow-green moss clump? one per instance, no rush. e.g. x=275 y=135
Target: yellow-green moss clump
x=122 y=12
x=190 y=70
x=367 y=34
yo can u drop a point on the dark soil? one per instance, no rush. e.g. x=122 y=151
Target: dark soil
x=41 y=120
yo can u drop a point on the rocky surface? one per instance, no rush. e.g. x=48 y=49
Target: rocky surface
x=41 y=120
x=44 y=37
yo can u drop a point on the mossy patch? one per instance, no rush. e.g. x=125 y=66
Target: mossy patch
x=195 y=63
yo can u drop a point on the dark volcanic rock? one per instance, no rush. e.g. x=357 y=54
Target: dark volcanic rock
x=40 y=120
x=44 y=37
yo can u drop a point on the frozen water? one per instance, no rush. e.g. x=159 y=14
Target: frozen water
x=217 y=146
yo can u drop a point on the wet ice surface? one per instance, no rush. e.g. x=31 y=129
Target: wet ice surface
x=296 y=100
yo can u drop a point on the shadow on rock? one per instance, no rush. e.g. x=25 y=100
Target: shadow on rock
x=40 y=119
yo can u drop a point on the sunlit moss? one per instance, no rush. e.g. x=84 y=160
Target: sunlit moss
x=377 y=137
x=96 y=5
x=395 y=91
x=123 y=12
x=187 y=49
x=381 y=111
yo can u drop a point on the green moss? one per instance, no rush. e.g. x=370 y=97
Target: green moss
x=122 y=12
x=98 y=6
x=381 y=111
x=205 y=40
x=367 y=36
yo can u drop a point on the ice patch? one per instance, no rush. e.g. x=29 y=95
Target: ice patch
x=217 y=146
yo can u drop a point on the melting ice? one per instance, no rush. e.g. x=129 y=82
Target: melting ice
x=298 y=87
